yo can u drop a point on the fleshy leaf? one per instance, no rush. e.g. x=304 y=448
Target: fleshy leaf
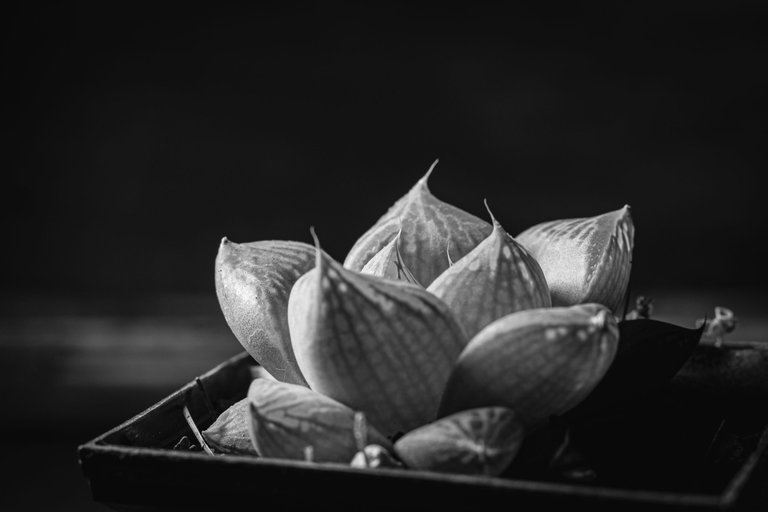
x=538 y=362
x=428 y=224
x=230 y=432
x=496 y=278
x=584 y=260
x=478 y=441
x=285 y=419
x=253 y=282
x=382 y=347
x=388 y=263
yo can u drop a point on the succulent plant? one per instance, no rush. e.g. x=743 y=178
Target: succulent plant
x=452 y=376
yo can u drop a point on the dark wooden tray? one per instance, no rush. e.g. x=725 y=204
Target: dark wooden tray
x=133 y=466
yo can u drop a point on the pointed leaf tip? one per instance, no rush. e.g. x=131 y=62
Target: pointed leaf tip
x=318 y=250
x=432 y=167
x=315 y=239
x=424 y=179
x=623 y=214
x=496 y=223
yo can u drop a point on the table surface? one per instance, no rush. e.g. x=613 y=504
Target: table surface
x=76 y=367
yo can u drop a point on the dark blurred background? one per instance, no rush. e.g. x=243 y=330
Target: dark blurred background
x=136 y=137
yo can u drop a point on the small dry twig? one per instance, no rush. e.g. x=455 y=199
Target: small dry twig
x=196 y=431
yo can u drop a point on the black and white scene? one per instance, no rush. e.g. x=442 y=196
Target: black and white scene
x=330 y=256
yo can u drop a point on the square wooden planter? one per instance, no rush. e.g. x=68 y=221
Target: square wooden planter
x=134 y=465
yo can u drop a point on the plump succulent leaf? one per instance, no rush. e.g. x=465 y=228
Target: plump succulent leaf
x=478 y=441
x=584 y=260
x=285 y=419
x=230 y=432
x=253 y=282
x=538 y=362
x=383 y=347
x=388 y=263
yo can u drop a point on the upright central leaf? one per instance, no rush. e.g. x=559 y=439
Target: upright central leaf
x=430 y=229
x=376 y=345
x=388 y=263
